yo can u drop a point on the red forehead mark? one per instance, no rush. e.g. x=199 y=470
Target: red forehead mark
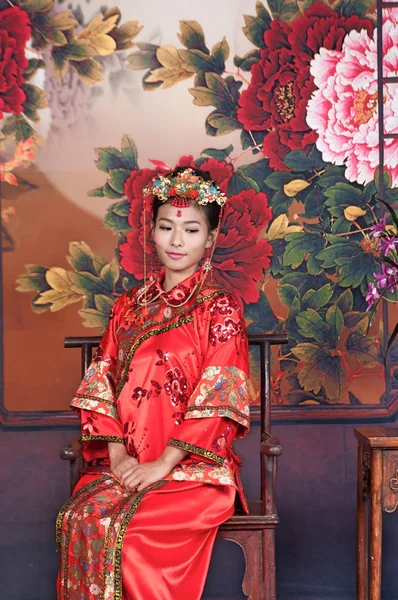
x=179 y=213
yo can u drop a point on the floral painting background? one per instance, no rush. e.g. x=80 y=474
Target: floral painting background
x=282 y=112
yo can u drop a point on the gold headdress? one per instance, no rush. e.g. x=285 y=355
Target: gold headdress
x=183 y=187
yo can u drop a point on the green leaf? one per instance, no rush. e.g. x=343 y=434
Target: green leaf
x=297 y=160
x=83 y=283
x=217 y=123
x=314 y=203
x=278 y=179
x=117 y=179
x=348 y=8
x=58 y=299
x=239 y=182
x=115 y=222
x=34 y=280
x=109 y=192
x=93 y=318
x=35 y=100
x=219 y=154
x=122 y=208
x=196 y=60
x=311 y=325
x=192 y=36
x=255 y=27
x=81 y=257
x=335 y=380
x=287 y=293
x=109 y=158
x=317 y=298
x=332 y=176
x=250 y=58
x=283 y=9
x=261 y=315
x=220 y=53
x=317 y=365
x=335 y=318
x=144 y=58
x=89 y=70
x=346 y=301
x=109 y=275
x=280 y=203
x=314 y=266
x=363 y=347
x=99 y=262
x=258 y=171
x=96 y=192
x=104 y=304
x=298 y=246
x=303 y=281
x=33 y=65
x=130 y=152
x=352 y=318
x=36 y=6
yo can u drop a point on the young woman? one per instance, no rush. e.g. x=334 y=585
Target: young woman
x=160 y=405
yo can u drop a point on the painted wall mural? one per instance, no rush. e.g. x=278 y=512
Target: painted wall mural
x=306 y=243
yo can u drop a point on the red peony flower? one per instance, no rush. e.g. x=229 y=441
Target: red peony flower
x=14 y=33
x=131 y=251
x=240 y=257
x=281 y=83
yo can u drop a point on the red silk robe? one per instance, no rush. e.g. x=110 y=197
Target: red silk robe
x=173 y=374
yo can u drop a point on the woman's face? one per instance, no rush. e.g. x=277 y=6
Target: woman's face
x=181 y=236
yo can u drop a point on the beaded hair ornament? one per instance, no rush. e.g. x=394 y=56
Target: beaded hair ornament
x=181 y=189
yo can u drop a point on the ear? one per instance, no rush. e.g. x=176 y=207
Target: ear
x=211 y=238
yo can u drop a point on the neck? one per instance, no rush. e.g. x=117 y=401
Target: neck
x=173 y=278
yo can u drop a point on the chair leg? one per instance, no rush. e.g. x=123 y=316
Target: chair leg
x=251 y=544
x=268 y=570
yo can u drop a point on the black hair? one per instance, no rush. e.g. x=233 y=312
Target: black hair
x=211 y=210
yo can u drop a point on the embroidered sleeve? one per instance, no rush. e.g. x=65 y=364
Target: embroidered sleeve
x=223 y=388
x=95 y=398
x=97 y=389
x=208 y=439
x=97 y=430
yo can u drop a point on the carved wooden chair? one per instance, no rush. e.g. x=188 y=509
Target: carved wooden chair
x=254 y=533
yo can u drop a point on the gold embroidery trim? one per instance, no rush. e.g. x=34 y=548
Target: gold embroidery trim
x=196 y=450
x=111 y=403
x=143 y=338
x=226 y=411
x=104 y=438
x=122 y=532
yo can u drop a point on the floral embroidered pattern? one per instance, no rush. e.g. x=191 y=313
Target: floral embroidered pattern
x=205 y=473
x=89 y=426
x=96 y=519
x=223 y=332
x=222 y=442
x=221 y=391
x=176 y=386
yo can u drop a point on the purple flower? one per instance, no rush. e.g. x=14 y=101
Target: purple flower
x=380 y=228
x=388 y=244
x=372 y=295
x=387 y=278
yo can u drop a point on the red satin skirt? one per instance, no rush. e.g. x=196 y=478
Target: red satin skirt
x=167 y=543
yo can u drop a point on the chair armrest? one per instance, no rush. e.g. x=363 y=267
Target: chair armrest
x=73 y=451
x=270 y=445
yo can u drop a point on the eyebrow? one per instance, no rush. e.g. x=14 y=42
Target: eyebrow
x=185 y=222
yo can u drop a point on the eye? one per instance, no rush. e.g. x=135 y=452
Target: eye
x=192 y=230
x=164 y=228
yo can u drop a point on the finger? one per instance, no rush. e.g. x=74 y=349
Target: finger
x=131 y=471
x=132 y=482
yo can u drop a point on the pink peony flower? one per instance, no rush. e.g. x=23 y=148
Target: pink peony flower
x=343 y=110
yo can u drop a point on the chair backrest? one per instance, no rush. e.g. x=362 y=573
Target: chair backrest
x=264 y=341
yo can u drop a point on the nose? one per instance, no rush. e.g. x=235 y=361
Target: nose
x=176 y=239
